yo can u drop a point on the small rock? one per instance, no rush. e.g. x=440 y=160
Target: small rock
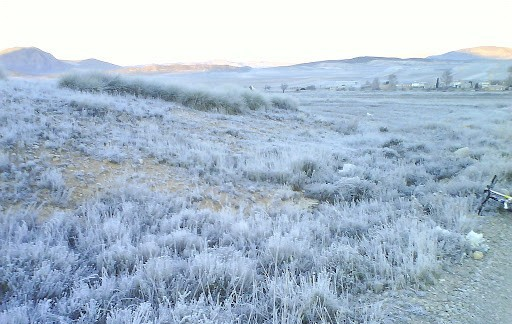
x=477 y=255
x=421 y=294
x=378 y=287
x=462 y=152
x=475 y=239
x=348 y=168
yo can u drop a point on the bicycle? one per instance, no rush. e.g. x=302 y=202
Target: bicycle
x=504 y=199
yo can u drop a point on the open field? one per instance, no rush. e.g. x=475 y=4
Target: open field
x=125 y=209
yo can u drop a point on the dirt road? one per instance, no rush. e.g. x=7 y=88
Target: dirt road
x=475 y=291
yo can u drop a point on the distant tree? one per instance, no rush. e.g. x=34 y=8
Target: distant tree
x=437 y=83
x=366 y=86
x=508 y=80
x=392 y=81
x=447 y=78
x=267 y=87
x=284 y=86
x=376 y=84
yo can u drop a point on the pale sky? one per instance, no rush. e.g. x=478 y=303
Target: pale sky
x=158 y=31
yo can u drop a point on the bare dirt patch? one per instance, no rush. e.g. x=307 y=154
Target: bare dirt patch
x=87 y=177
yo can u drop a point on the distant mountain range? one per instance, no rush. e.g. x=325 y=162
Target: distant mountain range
x=33 y=61
x=183 y=68
x=482 y=53
x=476 y=54
x=360 y=60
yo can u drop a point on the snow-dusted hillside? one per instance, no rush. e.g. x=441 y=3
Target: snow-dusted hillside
x=327 y=74
x=474 y=64
x=31 y=61
x=131 y=209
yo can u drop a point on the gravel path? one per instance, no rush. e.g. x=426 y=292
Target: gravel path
x=475 y=291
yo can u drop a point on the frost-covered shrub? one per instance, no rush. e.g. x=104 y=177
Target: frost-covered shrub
x=112 y=256
x=141 y=313
x=308 y=300
x=447 y=167
x=323 y=192
x=320 y=301
x=221 y=272
x=129 y=249
x=182 y=241
x=53 y=180
x=308 y=167
x=89 y=109
x=89 y=82
x=229 y=101
x=346 y=127
x=288 y=250
x=254 y=101
x=4 y=162
x=345 y=189
x=285 y=103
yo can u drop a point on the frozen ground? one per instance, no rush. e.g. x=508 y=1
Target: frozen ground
x=117 y=209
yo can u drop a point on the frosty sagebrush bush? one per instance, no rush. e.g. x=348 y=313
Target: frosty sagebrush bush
x=134 y=252
x=209 y=258
x=234 y=101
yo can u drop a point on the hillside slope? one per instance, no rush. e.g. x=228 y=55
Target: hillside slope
x=33 y=61
x=125 y=209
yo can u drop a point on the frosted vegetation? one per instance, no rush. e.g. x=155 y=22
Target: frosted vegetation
x=123 y=206
x=231 y=101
